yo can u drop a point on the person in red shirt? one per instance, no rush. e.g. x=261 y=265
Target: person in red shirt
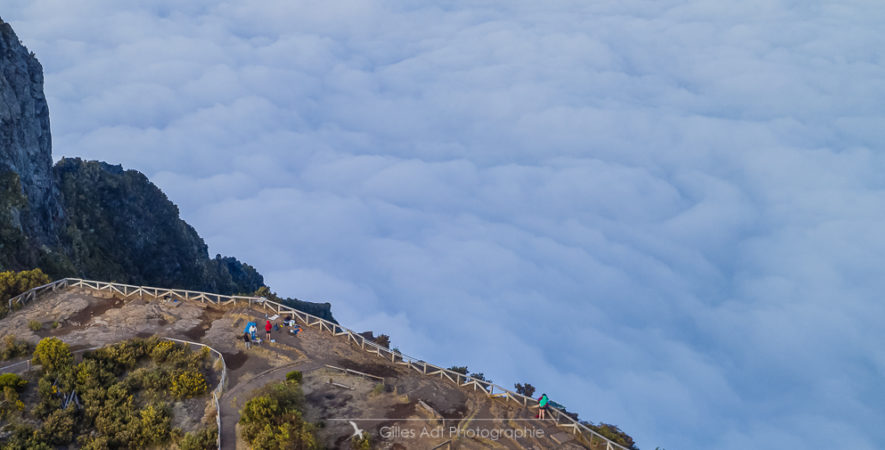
x=267 y=329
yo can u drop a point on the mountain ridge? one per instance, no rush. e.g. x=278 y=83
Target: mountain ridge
x=91 y=219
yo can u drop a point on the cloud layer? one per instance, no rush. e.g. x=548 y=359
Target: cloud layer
x=667 y=215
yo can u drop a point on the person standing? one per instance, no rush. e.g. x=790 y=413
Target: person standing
x=542 y=406
x=247 y=340
x=267 y=328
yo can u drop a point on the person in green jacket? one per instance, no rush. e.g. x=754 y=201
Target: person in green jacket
x=542 y=406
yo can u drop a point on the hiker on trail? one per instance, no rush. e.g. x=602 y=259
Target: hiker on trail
x=543 y=401
x=267 y=329
x=247 y=340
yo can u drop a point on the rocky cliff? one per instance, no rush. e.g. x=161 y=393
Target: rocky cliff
x=29 y=210
x=91 y=219
x=120 y=226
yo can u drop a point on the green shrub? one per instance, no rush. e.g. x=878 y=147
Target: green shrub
x=15 y=283
x=49 y=393
x=205 y=439
x=53 y=354
x=383 y=340
x=94 y=443
x=112 y=415
x=25 y=438
x=116 y=417
x=35 y=325
x=363 y=443
x=91 y=373
x=59 y=427
x=188 y=383
x=123 y=355
x=13 y=381
x=272 y=419
x=162 y=350
x=10 y=405
x=294 y=376
x=613 y=433
x=154 y=424
x=151 y=379
x=178 y=356
x=13 y=348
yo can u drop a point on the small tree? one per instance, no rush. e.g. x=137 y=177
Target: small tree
x=460 y=369
x=383 y=340
x=479 y=376
x=525 y=389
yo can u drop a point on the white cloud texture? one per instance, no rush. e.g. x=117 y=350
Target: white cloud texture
x=667 y=215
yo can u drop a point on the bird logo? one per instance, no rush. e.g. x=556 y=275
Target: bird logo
x=357 y=433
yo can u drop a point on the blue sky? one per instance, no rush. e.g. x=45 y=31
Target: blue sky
x=666 y=215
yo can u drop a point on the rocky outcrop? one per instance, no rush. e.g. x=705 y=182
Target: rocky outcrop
x=25 y=142
x=90 y=219
x=120 y=226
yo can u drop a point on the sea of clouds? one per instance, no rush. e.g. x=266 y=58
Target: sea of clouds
x=667 y=215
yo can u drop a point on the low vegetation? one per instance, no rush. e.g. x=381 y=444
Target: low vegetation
x=116 y=397
x=361 y=443
x=613 y=433
x=204 y=439
x=15 y=283
x=11 y=385
x=272 y=419
x=13 y=348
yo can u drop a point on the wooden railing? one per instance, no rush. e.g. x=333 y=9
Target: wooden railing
x=492 y=390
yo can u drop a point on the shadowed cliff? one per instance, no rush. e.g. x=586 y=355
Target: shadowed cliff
x=90 y=219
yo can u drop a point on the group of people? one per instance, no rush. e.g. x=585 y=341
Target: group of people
x=250 y=334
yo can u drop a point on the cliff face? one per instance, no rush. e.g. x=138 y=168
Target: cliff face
x=25 y=142
x=120 y=226
x=84 y=218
